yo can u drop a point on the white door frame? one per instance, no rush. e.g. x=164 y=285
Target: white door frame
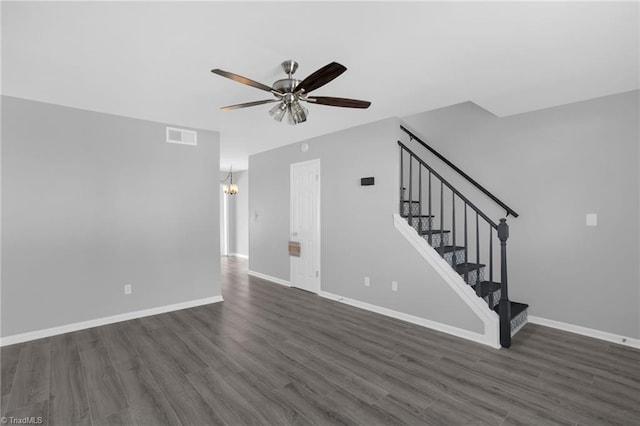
x=224 y=223
x=317 y=285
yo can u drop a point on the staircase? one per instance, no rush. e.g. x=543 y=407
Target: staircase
x=461 y=233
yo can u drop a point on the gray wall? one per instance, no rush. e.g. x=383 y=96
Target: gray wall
x=358 y=235
x=239 y=232
x=91 y=202
x=554 y=166
x=238 y=214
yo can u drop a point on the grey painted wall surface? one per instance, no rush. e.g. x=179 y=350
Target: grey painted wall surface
x=238 y=206
x=239 y=238
x=358 y=235
x=91 y=202
x=554 y=166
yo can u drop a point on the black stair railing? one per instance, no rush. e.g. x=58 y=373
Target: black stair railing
x=412 y=200
x=482 y=189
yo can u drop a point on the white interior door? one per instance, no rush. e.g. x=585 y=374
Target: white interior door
x=305 y=224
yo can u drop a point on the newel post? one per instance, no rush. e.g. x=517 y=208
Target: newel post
x=505 y=304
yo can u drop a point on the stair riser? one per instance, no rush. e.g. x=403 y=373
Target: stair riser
x=459 y=258
x=474 y=276
x=427 y=222
x=519 y=321
x=496 y=298
x=435 y=239
x=415 y=209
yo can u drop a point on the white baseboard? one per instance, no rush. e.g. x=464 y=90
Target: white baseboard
x=240 y=255
x=584 y=331
x=270 y=278
x=445 y=328
x=53 y=331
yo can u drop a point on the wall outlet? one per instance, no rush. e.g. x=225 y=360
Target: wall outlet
x=127 y=289
x=592 y=219
x=367 y=282
x=394 y=285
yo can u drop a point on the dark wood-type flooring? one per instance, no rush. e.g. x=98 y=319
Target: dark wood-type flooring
x=271 y=355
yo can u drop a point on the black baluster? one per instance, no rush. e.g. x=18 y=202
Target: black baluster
x=505 y=305
x=411 y=190
x=454 y=257
x=401 y=181
x=419 y=199
x=491 y=297
x=430 y=216
x=466 y=245
x=441 y=219
x=478 y=285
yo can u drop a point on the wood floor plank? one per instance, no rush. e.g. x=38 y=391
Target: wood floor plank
x=183 y=357
x=89 y=339
x=187 y=404
x=293 y=370
x=364 y=413
x=31 y=377
x=118 y=344
x=104 y=391
x=68 y=402
x=273 y=407
x=224 y=399
x=208 y=351
x=9 y=356
x=144 y=398
x=119 y=418
x=316 y=408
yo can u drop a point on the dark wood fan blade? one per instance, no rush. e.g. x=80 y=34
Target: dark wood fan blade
x=321 y=77
x=248 y=104
x=243 y=80
x=339 y=102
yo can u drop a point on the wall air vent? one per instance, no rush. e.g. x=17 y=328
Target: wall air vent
x=182 y=136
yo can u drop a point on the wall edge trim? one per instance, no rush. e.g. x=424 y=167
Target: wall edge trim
x=82 y=325
x=423 y=322
x=269 y=278
x=240 y=255
x=585 y=331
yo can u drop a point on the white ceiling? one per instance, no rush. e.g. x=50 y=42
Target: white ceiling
x=152 y=60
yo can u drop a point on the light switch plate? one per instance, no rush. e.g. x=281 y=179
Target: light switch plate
x=592 y=219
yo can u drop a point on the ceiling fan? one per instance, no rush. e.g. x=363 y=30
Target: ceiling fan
x=290 y=92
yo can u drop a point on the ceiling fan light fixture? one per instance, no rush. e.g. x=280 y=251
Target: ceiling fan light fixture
x=299 y=112
x=278 y=111
x=291 y=119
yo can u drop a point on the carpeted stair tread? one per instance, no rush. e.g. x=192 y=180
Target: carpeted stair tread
x=487 y=287
x=516 y=308
x=461 y=268
x=433 y=231
x=448 y=249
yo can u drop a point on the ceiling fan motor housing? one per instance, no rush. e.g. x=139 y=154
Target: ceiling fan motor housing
x=286 y=85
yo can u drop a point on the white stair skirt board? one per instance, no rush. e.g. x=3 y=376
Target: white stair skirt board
x=489 y=318
x=589 y=332
x=48 y=332
x=240 y=255
x=270 y=278
x=434 y=325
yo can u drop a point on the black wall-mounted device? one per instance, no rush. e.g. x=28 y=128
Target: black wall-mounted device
x=367 y=181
